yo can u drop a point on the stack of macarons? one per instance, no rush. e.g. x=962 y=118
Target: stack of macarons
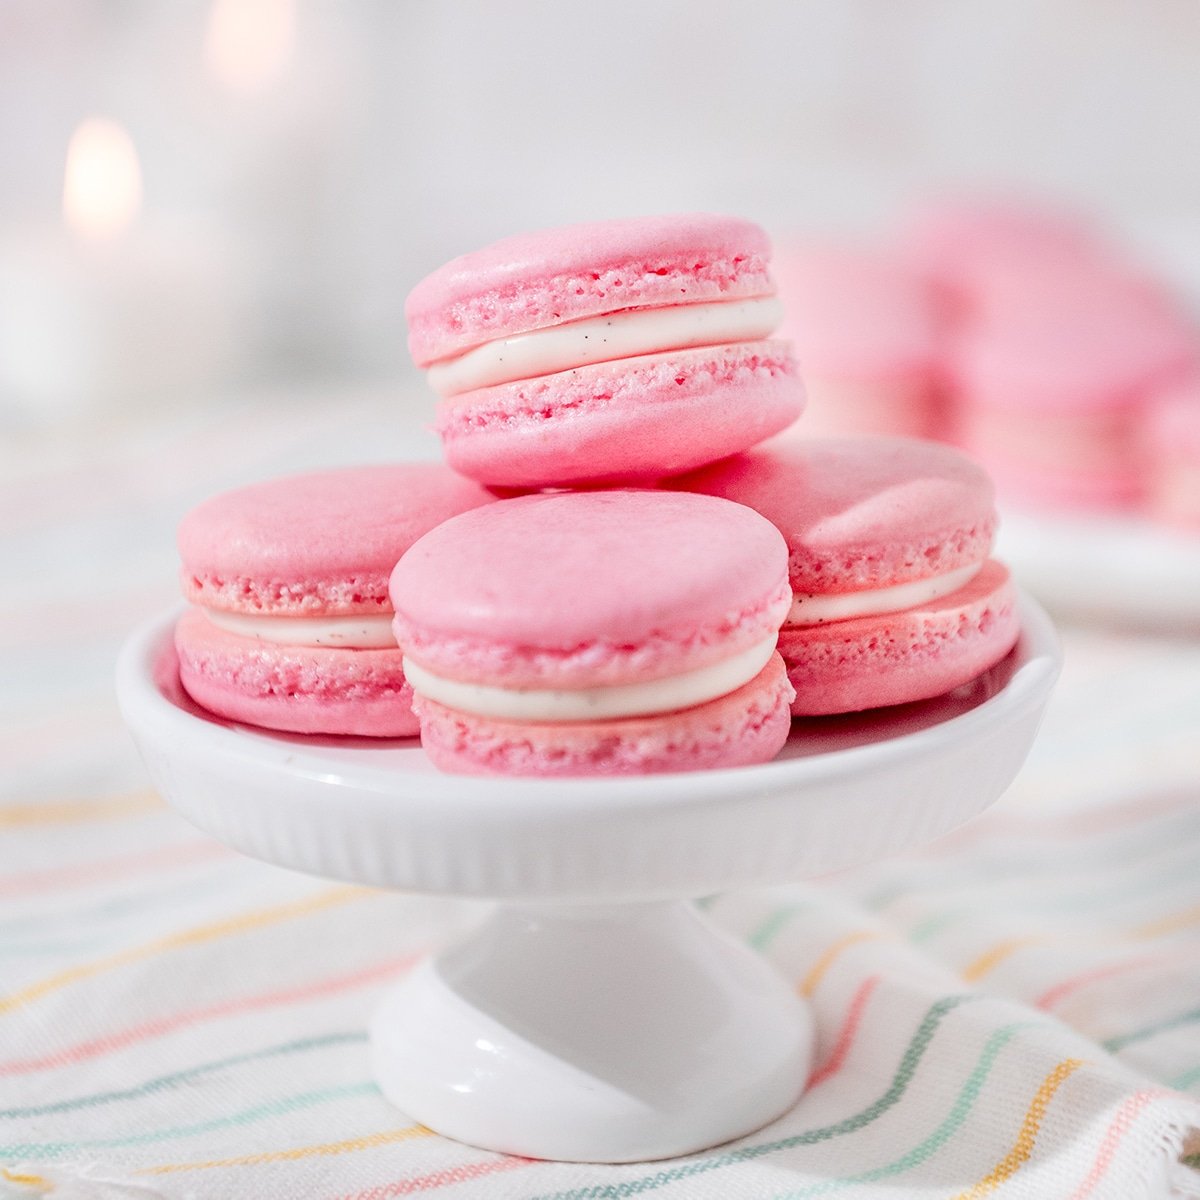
x=1058 y=348
x=625 y=615
x=1052 y=384
x=1013 y=329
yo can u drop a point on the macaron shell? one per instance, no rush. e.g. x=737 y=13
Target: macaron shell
x=900 y=405
x=534 y=280
x=747 y=726
x=922 y=652
x=1068 y=487
x=1174 y=494
x=1173 y=422
x=1172 y=444
x=855 y=312
x=959 y=240
x=320 y=543
x=298 y=689
x=860 y=513
x=1091 y=460
x=588 y=589
x=636 y=419
x=1077 y=352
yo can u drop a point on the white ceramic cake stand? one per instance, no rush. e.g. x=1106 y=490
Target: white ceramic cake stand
x=596 y=1015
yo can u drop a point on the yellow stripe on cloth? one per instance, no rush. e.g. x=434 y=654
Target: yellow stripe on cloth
x=37 y=1181
x=1018 y=1156
x=188 y=937
x=71 y=812
x=987 y=962
x=386 y=1138
x=1165 y=925
x=993 y=957
x=819 y=969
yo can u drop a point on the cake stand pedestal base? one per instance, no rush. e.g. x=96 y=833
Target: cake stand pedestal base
x=596 y=1015
x=593 y=1033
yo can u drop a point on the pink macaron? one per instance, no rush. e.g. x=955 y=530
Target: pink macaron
x=867 y=332
x=1050 y=392
x=967 y=245
x=596 y=633
x=896 y=598
x=1172 y=457
x=291 y=621
x=617 y=351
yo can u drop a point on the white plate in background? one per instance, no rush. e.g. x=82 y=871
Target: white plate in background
x=1124 y=569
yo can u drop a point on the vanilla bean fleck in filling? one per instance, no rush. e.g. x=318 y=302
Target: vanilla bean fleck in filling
x=612 y=336
x=820 y=609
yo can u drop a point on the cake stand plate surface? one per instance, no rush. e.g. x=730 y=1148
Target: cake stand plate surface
x=1126 y=569
x=596 y=1015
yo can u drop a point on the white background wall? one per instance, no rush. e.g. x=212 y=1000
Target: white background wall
x=402 y=132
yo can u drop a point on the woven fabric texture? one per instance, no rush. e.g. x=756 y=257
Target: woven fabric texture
x=1013 y=1011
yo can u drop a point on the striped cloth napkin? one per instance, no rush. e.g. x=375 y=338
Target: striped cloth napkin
x=1012 y=1011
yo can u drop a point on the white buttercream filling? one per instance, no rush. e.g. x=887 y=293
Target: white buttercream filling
x=598 y=703
x=368 y=631
x=817 y=610
x=605 y=338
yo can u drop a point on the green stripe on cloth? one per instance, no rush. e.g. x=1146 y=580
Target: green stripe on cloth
x=909 y=1062
x=932 y=926
x=164 y=1082
x=271 y=1108
x=940 y=1136
x=215 y=881
x=1087 y=900
x=773 y=924
x=1114 y=1044
x=1182 y=1082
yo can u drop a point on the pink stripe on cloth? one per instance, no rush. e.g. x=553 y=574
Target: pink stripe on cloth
x=161 y=1026
x=1052 y=996
x=845 y=1038
x=1121 y=1124
x=118 y=867
x=439 y=1179
x=1069 y=825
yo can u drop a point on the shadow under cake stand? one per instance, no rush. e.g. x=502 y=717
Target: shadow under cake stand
x=596 y=1015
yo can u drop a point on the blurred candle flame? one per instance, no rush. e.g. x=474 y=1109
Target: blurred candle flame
x=249 y=42
x=102 y=187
